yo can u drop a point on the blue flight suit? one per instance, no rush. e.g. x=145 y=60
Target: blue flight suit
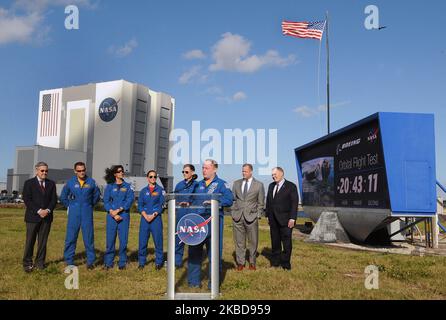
x=80 y=202
x=150 y=203
x=183 y=186
x=196 y=252
x=115 y=197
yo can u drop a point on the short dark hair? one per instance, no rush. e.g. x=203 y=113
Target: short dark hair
x=150 y=172
x=249 y=166
x=79 y=164
x=190 y=166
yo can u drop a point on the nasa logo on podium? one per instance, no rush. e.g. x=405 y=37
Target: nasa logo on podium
x=108 y=109
x=192 y=229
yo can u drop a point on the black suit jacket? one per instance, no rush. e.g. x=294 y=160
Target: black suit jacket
x=284 y=205
x=35 y=198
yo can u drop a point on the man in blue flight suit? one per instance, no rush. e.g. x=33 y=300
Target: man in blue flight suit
x=118 y=199
x=80 y=195
x=150 y=205
x=185 y=186
x=210 y=184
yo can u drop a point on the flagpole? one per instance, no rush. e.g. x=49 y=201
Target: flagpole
x=328 y=76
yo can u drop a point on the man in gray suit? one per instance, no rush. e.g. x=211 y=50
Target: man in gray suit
x=249 y=199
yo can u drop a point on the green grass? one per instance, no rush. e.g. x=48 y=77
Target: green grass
x=319 y=272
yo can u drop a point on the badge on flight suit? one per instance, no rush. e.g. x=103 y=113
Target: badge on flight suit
x=212 y=187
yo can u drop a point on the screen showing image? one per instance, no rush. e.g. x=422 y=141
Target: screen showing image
x=346 y=170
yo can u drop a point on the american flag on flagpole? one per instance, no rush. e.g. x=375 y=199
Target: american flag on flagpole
x=312 y=30
x=49 y=119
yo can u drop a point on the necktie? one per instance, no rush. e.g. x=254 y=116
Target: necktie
x=42 y=186
x=275 y=190
x=245 y=189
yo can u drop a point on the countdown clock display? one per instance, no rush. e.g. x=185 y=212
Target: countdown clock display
x=346 y=170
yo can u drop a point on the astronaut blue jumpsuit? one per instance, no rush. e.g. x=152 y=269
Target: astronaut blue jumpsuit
x=196 y=252
x=150 y=203
x=80 y=201
x=115 y=197
x=185 y=187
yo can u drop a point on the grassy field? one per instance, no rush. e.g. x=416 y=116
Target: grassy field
x=319 y=272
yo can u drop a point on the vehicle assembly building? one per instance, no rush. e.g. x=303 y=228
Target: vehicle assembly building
x=101 y=124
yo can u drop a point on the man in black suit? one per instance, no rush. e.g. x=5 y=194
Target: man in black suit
x=40 y=198
x=281 y=210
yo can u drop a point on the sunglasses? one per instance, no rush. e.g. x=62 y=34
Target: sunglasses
x=119 y=171
x=46 y=171
x=186 y=172
x=81 y=170
x=151 y=177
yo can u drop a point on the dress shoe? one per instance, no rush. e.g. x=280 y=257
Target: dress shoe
x=252 y=267
x=158 y=266
x=122 y=267
x=28 y=269
x=286 y=268
x=240 y=267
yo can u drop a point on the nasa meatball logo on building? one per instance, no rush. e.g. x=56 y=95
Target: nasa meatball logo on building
x=108 y=109
x=192 y=229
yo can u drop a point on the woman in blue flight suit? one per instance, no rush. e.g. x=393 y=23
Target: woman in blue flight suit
x=80 y=195
x=118 y=199
x=185 y=186
x=150 y=206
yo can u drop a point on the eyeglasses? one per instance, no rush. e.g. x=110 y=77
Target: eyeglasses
x=46 y=171
x=186 y=172
x=151 y=177
x=83 y=170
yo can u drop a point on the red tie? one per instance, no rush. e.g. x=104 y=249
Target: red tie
x=42 y=186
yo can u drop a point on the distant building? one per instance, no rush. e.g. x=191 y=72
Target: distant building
x=101 y=124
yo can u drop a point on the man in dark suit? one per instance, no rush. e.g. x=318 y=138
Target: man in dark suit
x=40 y=198
x=281 y=210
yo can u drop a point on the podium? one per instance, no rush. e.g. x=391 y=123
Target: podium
x=199 y=204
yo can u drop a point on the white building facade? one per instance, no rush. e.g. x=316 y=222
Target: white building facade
x=101 y=124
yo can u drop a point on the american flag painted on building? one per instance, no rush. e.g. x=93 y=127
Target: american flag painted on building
x=49 y=118
x=312 y=30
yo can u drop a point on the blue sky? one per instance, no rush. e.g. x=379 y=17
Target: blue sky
x=182 y=47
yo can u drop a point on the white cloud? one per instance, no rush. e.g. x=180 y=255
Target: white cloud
x=239 y=96
x=124 y=50
x=15 y=28
x=236 y=97
x=215 y=90
x=231 y=53
x=307 y=112
x=193 y=74
x=194 y=54
x=41 y=5
x=24 y=21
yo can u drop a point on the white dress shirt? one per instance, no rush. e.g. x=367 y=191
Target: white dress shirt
x=278 y=186
x=248 y=182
